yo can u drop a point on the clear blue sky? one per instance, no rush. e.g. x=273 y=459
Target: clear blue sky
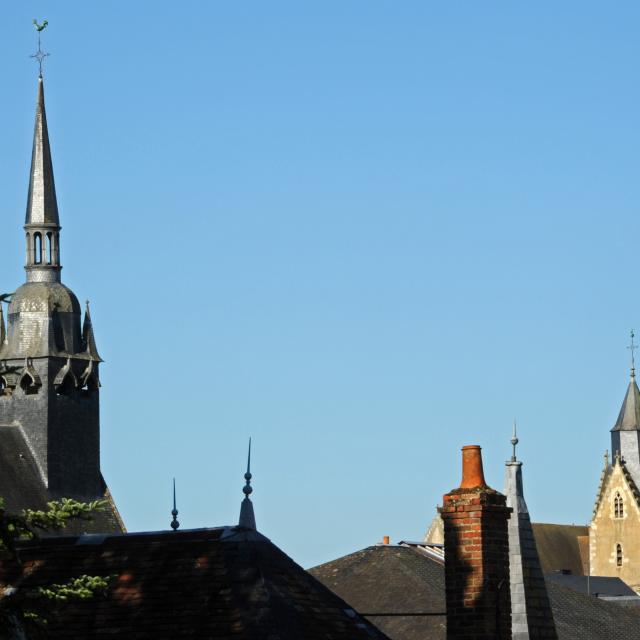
x=364 y=233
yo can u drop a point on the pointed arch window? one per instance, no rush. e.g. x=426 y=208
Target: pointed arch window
x=619 y=555
x=618 y=506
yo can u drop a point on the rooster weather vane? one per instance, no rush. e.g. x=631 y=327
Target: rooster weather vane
x=40 y=55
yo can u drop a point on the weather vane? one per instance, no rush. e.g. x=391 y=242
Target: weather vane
x=40 y=55
x=632 y=347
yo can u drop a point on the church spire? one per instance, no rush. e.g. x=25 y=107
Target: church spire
x=42 y=224
x=625 y=435
x=629 y=416
x=247 y=518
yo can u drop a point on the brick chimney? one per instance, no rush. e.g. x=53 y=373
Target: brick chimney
x=476 y=550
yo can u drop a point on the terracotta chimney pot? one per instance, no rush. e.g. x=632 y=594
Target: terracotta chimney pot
x=385 y=539
x=472 y=472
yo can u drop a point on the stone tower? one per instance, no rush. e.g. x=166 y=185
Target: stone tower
x=614 y=533
x=49 y=366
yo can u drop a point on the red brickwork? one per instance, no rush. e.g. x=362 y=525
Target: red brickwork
x=476 y=547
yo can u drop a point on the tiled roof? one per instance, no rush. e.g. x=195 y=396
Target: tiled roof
x=209 y=583
x=559 y=546
x=22 y=487
x=412 y=603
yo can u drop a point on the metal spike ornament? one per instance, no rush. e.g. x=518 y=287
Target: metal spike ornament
x=247 y=517
x=174 y=512
x=248 y=489
x=514 y=442
x=632 y=347
x=40 y=55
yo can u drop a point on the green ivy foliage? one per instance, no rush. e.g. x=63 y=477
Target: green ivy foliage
x=25 y=610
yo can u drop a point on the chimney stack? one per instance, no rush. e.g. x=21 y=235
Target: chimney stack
x=476 y=550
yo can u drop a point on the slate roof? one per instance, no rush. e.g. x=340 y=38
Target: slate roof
x=21 y=485
x=414 y=586
x=602 y=585
x=210 y=583
x=629 y=416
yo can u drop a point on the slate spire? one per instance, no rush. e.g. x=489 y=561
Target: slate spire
x=42 y=205
x=247 y=518
x=531 y=616
x=625 y=434
x=629 y=417
x=42 y=223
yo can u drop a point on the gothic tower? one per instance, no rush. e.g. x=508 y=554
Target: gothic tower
x=614 y=534
x=49 y=366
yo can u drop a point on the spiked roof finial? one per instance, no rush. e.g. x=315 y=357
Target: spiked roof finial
x=88 y=338
x=247 y=517
x=514 y=442
x=174 y=512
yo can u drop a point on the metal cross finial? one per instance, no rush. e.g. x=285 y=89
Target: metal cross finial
x=632 y=347
x=40 y=55
x=247 y=489
x=174 y=512
x=514 y=442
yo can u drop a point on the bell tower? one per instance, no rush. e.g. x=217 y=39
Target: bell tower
x=49 y=365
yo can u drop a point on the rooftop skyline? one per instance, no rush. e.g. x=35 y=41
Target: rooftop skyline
x=363 y=235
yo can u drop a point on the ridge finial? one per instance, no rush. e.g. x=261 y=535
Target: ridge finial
x=248 y=489
x=247 y=517
x=514 y=442
x=174 y=512
x=632 y=347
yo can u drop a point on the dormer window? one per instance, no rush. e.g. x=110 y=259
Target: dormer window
x=619 y=555
x=618 y=506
